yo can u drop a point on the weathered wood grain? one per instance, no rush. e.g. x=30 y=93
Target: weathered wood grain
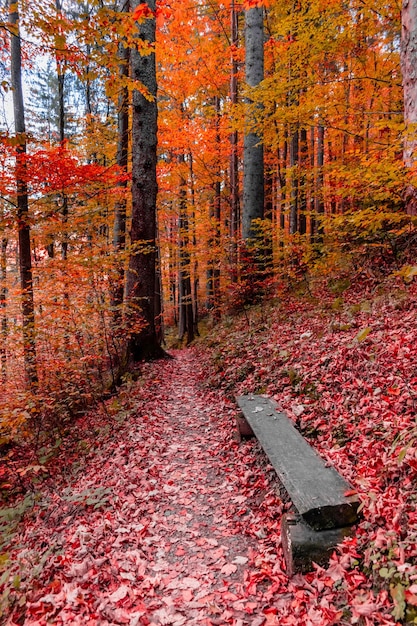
x=316 y=490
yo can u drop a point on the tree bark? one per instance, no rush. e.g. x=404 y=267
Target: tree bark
x=194 y=239
x=294 y=147
x=213 y=271
x=119 y=227
x=234 y=158
x=319 y=185
x=3 y=308
x=409 y=77
x=141 y=276
x=282 y=183
x=302 y=182
x=253 y=157
x=60 y=71
x=25 y=259
x=185 y=297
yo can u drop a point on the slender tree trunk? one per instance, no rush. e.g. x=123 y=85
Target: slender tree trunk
x=312 y=198
x=60 y=64
x=3 y=308
x=302 y=183
x=186 y=311
x=294 y=147
x=408 y=67
x=282 y=180
x=213 y=272
x=25 y=260
x=88 y=107
x=234 y=158
x=344 y=202
x=60 y=70
x=194 y=238
x=319 y=185
x=119 y=228
x=159 y=300
x=173 y=264
x=253 y=158
x=142 y=261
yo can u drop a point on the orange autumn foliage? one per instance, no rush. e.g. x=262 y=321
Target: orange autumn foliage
x=328 y=111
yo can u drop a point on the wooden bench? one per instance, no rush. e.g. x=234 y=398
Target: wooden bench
x=324 y=510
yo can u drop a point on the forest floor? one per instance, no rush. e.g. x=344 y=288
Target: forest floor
x=159 y=516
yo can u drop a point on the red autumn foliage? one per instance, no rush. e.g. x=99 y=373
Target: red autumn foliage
x=142 y=11
x=168 y=520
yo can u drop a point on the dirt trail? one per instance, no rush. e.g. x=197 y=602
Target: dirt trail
x=166 y=523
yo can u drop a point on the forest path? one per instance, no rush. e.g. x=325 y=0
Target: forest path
x=166 y=522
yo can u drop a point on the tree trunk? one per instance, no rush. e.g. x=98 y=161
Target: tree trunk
x=159 y=300
x=213 y=271
x=234 y=159
x=194 y=238
x=142 y=260
x=319 y=185
x=185 y=298
x=408 y=67
x=25 y=260
x=302 y=183
x=119 y=228
x=60 y=71
x=173 y=265
x=253 y=157
x=312 y=198
x=294 y=147
x=282 y=183
x=3 y=308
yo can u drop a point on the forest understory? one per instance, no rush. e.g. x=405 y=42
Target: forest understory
x=248 y=168
x=151 y=512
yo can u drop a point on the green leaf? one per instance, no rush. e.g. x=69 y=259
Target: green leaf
x=398 y=595
x=384 y=572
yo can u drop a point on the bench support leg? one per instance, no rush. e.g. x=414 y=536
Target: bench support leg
x=244 y=429
x=304 y=546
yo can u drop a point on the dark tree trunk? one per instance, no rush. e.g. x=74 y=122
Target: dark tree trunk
x=141 y=278
x=185 y=297
x=282 y=182
x=302 y=183
x=213 y=272
x=119 y=228
x=60 y=71
x=25 y=260
x=319 y=184
x=234 y=227
x=194 y=236
x=159 y=310
x=173 y=265
x=253 y=158
x=3 y=308
x=312 y=196
x=294 y=147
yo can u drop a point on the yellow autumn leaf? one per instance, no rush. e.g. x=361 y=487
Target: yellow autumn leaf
x=362 y=334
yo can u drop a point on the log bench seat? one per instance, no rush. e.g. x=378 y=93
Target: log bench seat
x=324 y=510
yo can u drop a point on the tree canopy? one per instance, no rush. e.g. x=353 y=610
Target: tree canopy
x=327 y=111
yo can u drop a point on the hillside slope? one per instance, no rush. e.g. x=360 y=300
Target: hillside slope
x=344 y=367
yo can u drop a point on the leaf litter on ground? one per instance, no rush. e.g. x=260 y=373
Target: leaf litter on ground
x=169 y=520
